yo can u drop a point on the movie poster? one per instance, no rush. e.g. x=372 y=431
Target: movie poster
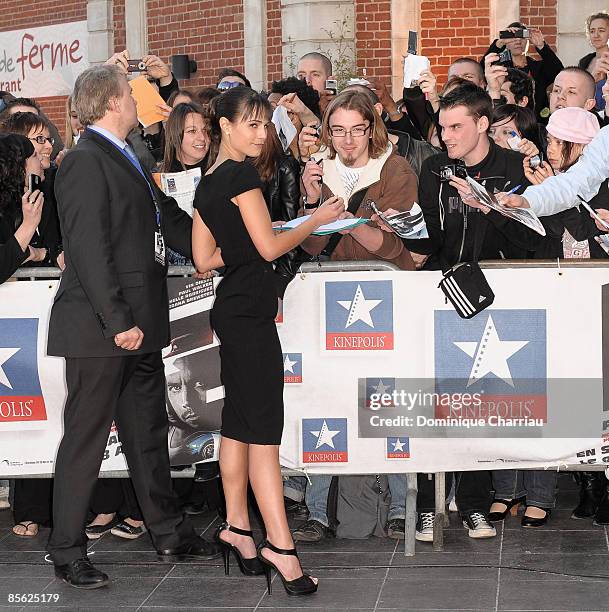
x=194 y=395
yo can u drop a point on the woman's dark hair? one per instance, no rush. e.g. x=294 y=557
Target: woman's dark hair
x=267 y=162
x=238 y=104
x=524 y=119
x=30 y=102
x=521 y=85
x=23 y=123
x=565 y=158
x=180 y=92
x=307 y=95
x=206 y=94
x=14 y=150
x=174 y=133
x=234 y=73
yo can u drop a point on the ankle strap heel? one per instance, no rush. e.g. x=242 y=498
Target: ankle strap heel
x=225 y=526
x=303 y=585
x=279 y=551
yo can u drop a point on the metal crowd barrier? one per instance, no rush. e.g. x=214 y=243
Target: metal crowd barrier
x=441 y=519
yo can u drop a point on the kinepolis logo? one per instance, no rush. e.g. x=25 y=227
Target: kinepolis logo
x=324 y=441
x=359 y=316
x=379 y=393
x=397 y=448
x=20 y=393
x=292 y=367
x=500 y=354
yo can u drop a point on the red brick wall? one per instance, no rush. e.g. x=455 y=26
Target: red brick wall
x=16 y=14
x=211 y=32
x=274 y=55
x=373 y=39
x=451 y=29
x=118 y=19
x=19 y=14
x=541 y=14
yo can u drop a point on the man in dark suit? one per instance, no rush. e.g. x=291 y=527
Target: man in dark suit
x=110 y=320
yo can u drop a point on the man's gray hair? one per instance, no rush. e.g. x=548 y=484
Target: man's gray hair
x=93 y=90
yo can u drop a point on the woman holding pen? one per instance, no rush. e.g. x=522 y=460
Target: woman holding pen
x=232 y=228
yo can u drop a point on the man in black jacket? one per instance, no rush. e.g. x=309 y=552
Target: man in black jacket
x=453 y=226
x=110 y=320
x=465 y=115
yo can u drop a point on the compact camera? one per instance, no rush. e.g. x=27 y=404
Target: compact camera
x=505 y=58
x=332 y=85
x=136 y=65
x=449 y=170
x=521 y=33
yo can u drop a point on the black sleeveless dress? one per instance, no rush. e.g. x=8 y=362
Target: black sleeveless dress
x=243 y=315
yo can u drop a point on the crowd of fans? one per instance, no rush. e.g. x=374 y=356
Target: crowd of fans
x=506 y=120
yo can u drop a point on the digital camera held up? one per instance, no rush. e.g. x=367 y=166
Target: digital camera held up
x=457 y=169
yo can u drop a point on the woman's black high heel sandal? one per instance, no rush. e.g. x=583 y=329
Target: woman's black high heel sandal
x=303 y=585
x=495 y=517
x=249 y=567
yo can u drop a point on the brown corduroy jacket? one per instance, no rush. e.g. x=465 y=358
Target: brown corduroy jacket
x=390 y=182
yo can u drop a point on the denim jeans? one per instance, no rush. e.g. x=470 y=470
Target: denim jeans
x=316 y=495
x=397 y=488
x=316 y=498
x=294 y=488
x=539 y=486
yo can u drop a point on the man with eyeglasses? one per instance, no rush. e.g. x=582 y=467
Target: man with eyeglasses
x=361 y=166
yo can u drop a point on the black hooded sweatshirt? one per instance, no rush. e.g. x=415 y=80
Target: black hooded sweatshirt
x=453 y=225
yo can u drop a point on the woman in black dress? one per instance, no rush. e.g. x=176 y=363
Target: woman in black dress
x=232 y=228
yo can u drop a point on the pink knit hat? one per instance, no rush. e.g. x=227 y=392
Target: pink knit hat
x=573 y=125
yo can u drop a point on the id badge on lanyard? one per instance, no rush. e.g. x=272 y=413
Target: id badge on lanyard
x=159 y=241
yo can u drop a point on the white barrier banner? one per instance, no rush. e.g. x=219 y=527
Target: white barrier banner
x=360 y=353
x=43 y=62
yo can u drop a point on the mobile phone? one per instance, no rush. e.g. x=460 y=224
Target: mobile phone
x=136 y=65
x=332 y=85
x=412 y=42
x=34 y=182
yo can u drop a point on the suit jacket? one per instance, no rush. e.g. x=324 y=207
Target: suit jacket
x=111 y=282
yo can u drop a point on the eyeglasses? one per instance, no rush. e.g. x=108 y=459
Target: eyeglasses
x=356 y=132
x=40 y=139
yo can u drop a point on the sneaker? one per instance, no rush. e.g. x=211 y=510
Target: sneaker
x=296 y=510
x=95 y=532
x=311 y=531
x=395 y=528
x=478 y=526
x=424 y=530
x=127 y=531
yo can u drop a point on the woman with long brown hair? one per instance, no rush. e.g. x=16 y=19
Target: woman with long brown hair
x=188 y=142
x=280 y=176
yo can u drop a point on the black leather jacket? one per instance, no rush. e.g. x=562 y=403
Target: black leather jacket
x=282 y=196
